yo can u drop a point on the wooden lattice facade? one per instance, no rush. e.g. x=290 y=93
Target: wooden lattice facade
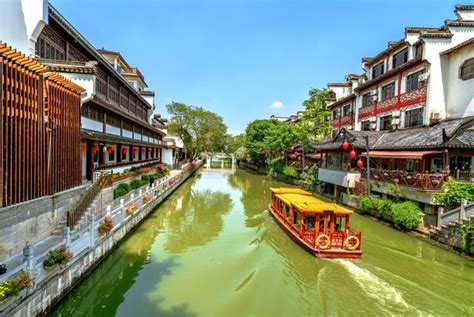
x=39 y=130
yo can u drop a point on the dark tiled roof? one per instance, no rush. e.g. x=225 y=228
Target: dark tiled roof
x=462 y=139
x=421 y=138
x=446 y=134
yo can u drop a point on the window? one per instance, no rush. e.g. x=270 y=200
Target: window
x=347 y=110
x=410 y=167
x=467 y=69
x=388 y=91
x=377 y=70
x=418 y=50
x=385 y=123
x=462 y=163
x=335 y=114
x=366 y=125
x=414 y=118
x=366 y=100
x=400 y=58
x=413 y=81
x=112 y=155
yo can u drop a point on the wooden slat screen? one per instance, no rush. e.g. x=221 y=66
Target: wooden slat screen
x=39 y=130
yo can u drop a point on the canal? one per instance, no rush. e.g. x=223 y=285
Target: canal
x=212 y=249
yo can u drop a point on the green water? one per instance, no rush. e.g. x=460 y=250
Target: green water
x=212 y=249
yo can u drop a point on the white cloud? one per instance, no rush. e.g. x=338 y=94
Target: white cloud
x=276 y=105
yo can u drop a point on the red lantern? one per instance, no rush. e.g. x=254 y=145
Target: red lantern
x=299 y=158
x=292 y=149
x=95 y=149
x=135 y=151
x=352 y=154
x=345 y=145
x=84 y=148
x=360 y=164
x=124 y=150
x=110 y=149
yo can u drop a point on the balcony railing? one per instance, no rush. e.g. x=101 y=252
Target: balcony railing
x=409 y=179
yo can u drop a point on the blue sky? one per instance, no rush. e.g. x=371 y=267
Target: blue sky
x=240 y=57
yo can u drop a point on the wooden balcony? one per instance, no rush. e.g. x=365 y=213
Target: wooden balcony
x=423 y=181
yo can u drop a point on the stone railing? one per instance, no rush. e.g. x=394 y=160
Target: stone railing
x=458 y=214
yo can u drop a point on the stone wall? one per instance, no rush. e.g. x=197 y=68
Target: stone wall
x=33 y=220
x=58 y=283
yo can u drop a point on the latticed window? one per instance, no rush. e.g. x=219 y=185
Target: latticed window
x=400 y=58
x=414 y=118
x=414 y=82
x=388 y=91
x=467 y=69
x=386 y=123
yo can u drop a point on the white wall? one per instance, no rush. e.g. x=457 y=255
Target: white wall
x=167 y=156
x=86 y=81
x=22 y=22
x=460 y=93
x=93 y=125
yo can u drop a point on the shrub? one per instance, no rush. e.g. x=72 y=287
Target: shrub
x=145 y=178
x=137 y=184
x=277 y=166
x=368 y=204
x=121 y=190
x=290 y=171
x=467 y=231
x=406 y=215
x=384 y=208
x=453 y=192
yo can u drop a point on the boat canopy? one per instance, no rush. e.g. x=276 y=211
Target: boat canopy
x=290 y=190
x=311 y=205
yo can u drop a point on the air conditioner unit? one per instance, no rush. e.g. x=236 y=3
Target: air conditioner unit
x=396 y=114
x=424 y=77
x=434 y=116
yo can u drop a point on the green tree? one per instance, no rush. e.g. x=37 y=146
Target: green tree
x=281 y=136
x=453 y=192
x=255 y=134
x=315 y=114
x=234 y=142
x=202 y=131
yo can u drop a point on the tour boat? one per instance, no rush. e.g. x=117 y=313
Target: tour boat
x=322 y=228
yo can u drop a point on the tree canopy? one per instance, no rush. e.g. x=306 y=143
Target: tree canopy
x=315 y=114
x=202 y=131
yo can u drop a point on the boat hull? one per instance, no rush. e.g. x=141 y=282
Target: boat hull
x=295 y=236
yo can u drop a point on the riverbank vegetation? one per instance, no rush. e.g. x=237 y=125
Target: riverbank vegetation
x=453 y=192
x=404 y=215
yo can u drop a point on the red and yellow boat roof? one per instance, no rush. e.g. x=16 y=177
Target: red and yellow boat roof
x=304 y=202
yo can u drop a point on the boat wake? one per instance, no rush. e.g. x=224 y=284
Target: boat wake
x=385 y=294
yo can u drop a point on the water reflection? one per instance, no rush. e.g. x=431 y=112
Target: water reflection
x=198 y=221
x=212 y=249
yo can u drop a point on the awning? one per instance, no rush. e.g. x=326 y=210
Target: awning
x=314 y=156
x=414 y=155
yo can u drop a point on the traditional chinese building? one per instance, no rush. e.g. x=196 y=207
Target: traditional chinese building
x=413 y=108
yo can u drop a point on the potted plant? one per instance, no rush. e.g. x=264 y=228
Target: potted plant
x=132 y=208
x=147 y=198
x=107 y=225
x=12 y=287
x=59 y=256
